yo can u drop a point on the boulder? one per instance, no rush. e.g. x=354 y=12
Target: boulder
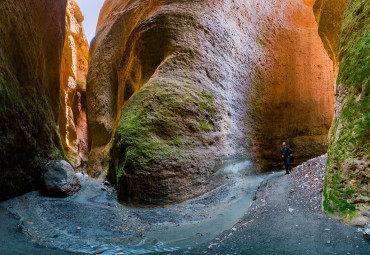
x=60 y=179
x=177 y=88
x=359 y=221
x=367 y=230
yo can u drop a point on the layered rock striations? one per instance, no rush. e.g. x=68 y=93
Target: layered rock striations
x=346 y=192
x=72 y=118
x=175 y=88
x=31 y=45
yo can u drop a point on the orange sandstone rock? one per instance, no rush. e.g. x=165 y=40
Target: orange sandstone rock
x=175 y=89
x=72 y=117
x=329 y=15
x=297 y=87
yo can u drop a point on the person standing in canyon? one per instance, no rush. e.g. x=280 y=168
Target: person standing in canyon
x=285 y=154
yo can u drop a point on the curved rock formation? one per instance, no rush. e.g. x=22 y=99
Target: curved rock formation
x=329 y=15
x=72 y=118
x=31 y=44
x=175 y=88
x=346 y=190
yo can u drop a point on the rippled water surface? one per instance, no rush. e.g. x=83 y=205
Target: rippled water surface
x=92 y=221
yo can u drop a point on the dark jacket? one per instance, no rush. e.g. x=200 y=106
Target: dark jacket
x=286 y=152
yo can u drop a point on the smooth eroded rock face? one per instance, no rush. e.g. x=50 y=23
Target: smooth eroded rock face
x=329 y=15
x=348 y=168
x=31 y=44
x=72 y=117
x=60 y=179
x=295 y=101
x=176 y=88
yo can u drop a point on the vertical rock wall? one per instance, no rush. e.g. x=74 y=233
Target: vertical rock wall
x=176 y=88
x=346 y=193
x=329 y=15
x=31 y=44
x=72 y=118
x=296 y=102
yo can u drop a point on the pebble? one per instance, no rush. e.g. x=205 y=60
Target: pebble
x=360 y=230
x=308 y=181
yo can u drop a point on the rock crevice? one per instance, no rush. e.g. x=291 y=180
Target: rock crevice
x=72 y=117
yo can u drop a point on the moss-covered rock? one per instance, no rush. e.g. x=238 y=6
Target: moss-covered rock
x=178 y=87
x=152 y=135
x=348 y=169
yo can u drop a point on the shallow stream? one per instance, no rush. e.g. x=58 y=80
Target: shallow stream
x=92 y=221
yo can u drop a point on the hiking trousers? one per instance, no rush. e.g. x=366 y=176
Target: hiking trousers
x=288 y=167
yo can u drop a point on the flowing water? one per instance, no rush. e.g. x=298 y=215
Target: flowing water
x=92 y=221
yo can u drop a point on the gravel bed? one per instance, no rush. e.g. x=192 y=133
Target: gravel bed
x=307 y=182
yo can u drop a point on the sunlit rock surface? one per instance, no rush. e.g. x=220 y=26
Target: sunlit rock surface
x=31 y=44
x=346 y=190
x=177 y=87
x=329 y=15
x=72 y=117
x=295 y=97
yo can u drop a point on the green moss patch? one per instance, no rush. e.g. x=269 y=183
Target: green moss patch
x=148 y=132
x=206 y=125
x=207 y=104
x=350 y=136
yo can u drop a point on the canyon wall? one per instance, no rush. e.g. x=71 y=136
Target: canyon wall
x=346 y=193
x=329 y=15
x=177 y=88
x=296 y=97
x=72 y=117
x=31 y=44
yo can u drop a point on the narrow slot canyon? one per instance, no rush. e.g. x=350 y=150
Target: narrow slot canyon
x=72 y=119
x=297 y=95
x=163 y=133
